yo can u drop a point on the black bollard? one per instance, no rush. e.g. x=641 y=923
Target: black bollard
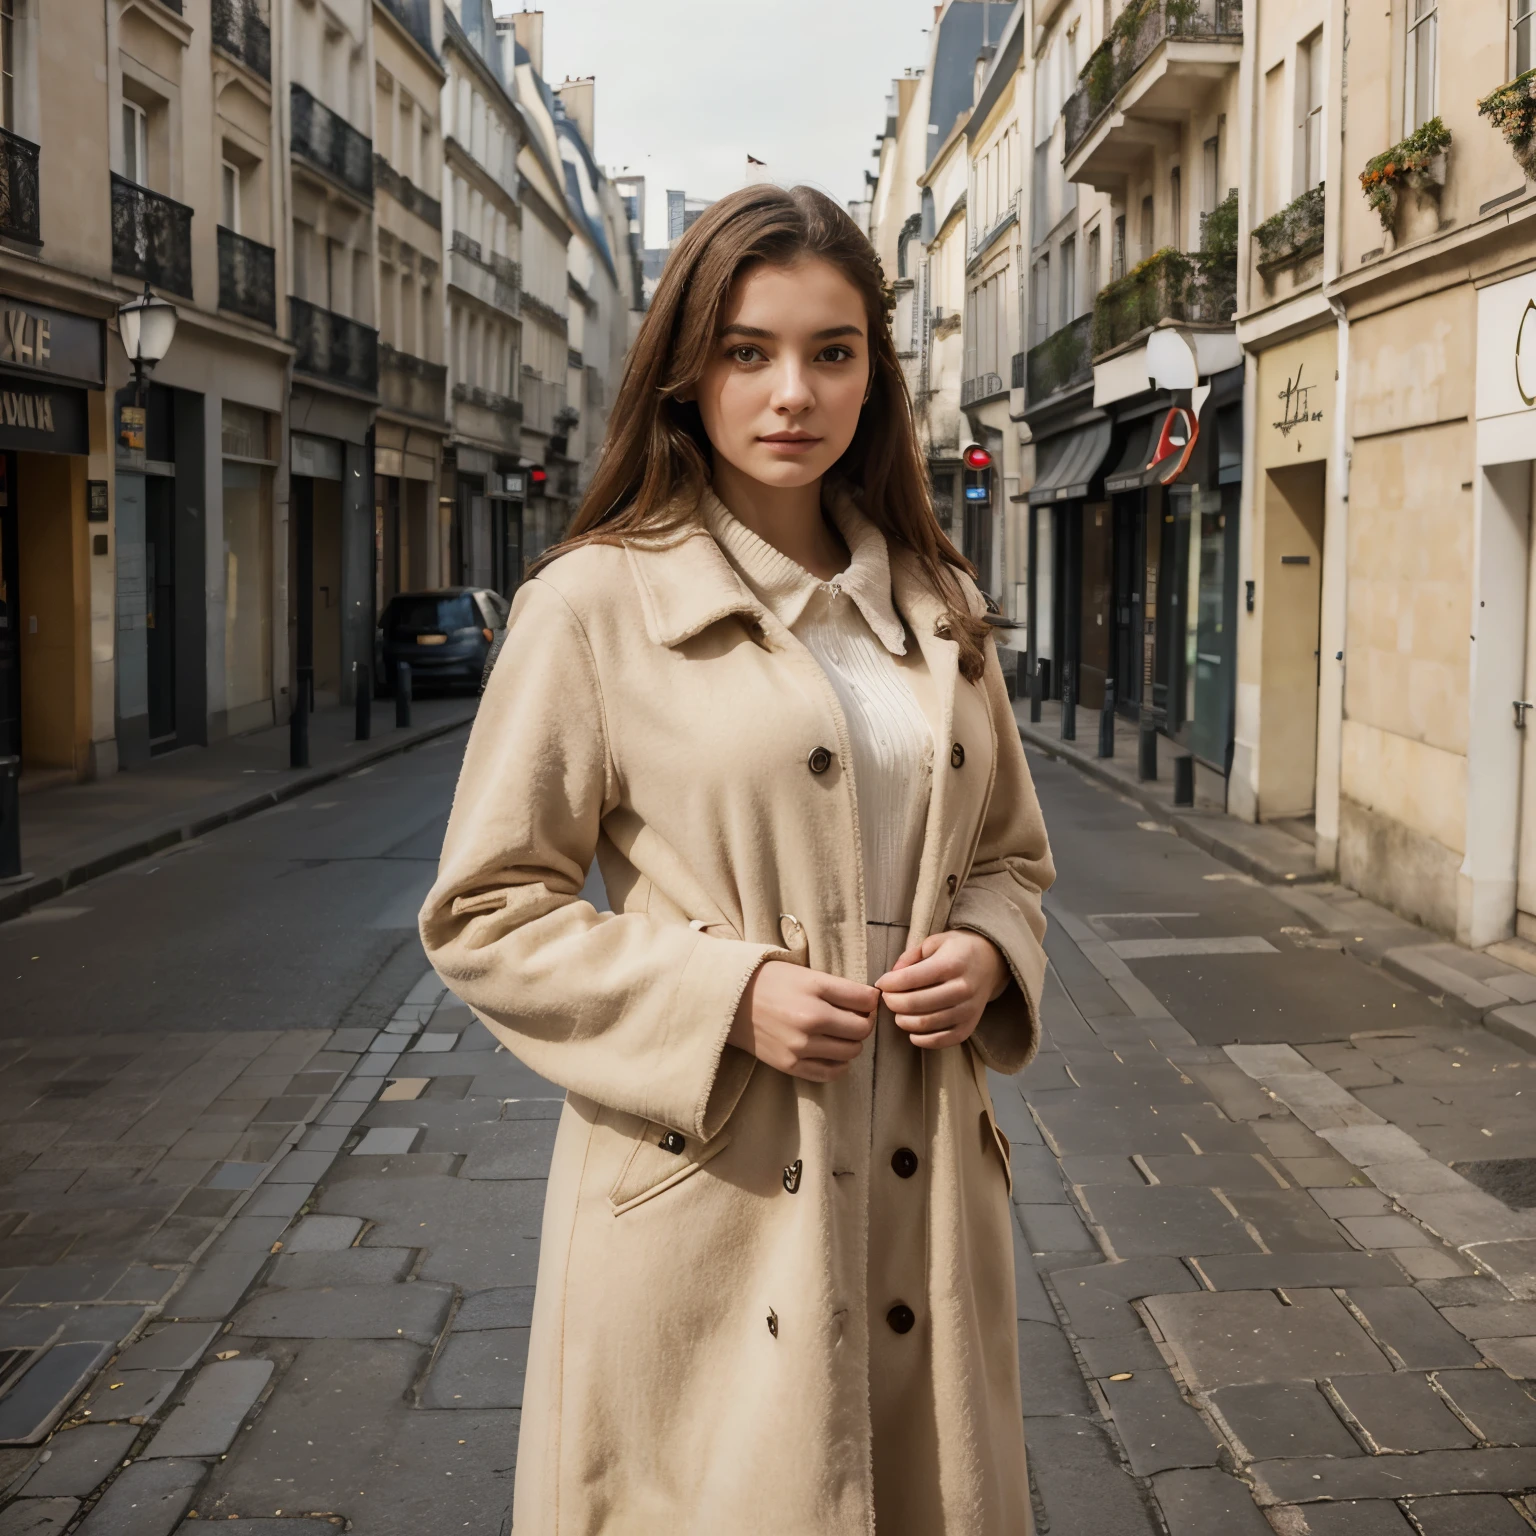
x=1068 y=709
x=403 y=694
x=364 y=700
x=298 y=723
x=1146 y=747
x=1036 y=690
x=1184 y=780
x=10 y=819
x=1107 y=720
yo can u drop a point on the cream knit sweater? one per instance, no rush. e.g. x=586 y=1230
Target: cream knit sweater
x=850 y=625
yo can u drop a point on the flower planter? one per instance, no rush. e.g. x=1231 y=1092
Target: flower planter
x=1512 y=110
x=1403 y=183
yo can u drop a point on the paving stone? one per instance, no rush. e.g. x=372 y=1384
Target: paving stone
x=178 y=1239
x=1468 y=1515
x=1298 y=1271
x=1493 y=1320
x=1463 y=1290
x=124 y=1395
x=175 y=1347
x=516 y=1149
x=321 y=1138
x=1205 y=1502
x=283 y=1200
x=1083 y=1486
x=1357 y=1517
x=1352 y=1202
x=1032 y=1304
x=483 y=1369
x=1094 y=1168
x=1097 y=1299
x=1517 y=1357
x=37 y=1517
x=144 y=1283
x=1401 y=1413
x=1158 y=1429
x=1513 y=1263
x=55 y=1283
x=508 y=1306
x=1275 y=1419
x=1288 y=1220
x=1412 y=1329
x=80 y=1459
x=1228 y=1337
x=213 y=1410
x=303 y=1166
x=1103 y=1131
x=1429 y=1474
x=1502 y=1410
x=147 y=1499
x=250 y=1235
x=433 y=1041
x=1055 y=1229
x=36 y=1402
x=387 y=1141
x=1290 y=1138
x=235 y=1175
x=1428 y=1263
x=209 y=1202
x=414 y=1312
x=1165 y=1219
x=323 y=1234
x=1219 y=1170
x=216 y=1286
x=1048 y=1372
x=1386 y=1232
x=1320 y=1172
x=1118 y=1353
x=1037 y=1176
x=351 y=1039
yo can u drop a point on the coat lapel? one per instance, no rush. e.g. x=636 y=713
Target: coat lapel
x=686 y=585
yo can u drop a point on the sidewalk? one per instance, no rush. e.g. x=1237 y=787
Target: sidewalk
x=1495 y=987
x=76 y=832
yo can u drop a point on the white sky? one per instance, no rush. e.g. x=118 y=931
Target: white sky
x=687 y=89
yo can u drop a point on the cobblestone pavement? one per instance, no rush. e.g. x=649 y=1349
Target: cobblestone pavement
x=1274 y=1252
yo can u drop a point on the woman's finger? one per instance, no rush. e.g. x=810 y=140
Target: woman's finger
x=940 y=1041
x=841 y=1024
x=935 y=1022
x=950 y=994
x=922 y=973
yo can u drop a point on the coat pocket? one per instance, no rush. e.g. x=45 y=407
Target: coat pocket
x=991 y=1132
x=660 y=1160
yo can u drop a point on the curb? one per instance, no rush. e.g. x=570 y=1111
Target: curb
x=14 y=903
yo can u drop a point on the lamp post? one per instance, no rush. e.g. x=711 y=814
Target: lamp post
x=146 y=326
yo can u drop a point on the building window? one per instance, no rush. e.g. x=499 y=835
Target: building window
x=1041 y=303
x=1117 y=249
x=1148 y=228
x=1176 y=206
x=135 y=143
x=1210 y=168
x=1523 y=21
x=1094 y=273
x=1068 y=309
x=8 y=65
x=229 y=202
x=1421 y=63
x=1309 y=114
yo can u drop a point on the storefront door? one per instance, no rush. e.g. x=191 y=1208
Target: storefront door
x=1097 y=586
x=160 y=619
x=1215 y=659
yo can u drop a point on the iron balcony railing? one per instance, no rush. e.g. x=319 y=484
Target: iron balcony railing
x=240 y=30
x=1062 y=361
x=1167 y=286
x=410 y=383
x=1017 y=380
x=981 y=239
x=331 y=143
x=18 y=189
x=1141 y=27
x=405 y=192
x=333 y=347
x=982 y=387
x=151 y=237
x=1294 y=233
x=247 y=277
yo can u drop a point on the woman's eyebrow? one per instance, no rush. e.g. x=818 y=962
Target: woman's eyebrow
x=757 y=333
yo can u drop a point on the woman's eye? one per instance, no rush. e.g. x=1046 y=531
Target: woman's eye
x=837 y=354
x=745 y=354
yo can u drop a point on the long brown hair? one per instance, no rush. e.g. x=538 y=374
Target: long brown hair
x=656 y=458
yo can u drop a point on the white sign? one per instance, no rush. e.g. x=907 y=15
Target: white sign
x=1506 y=371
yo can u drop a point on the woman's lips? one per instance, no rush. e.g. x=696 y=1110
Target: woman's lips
x=790 y=444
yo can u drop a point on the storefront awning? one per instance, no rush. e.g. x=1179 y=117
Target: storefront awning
x=1071 y=462
x=1131 y=473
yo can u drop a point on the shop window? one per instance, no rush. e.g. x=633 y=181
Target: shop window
x=1421 y=63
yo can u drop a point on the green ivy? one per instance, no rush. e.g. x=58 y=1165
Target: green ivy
x=1512 y=110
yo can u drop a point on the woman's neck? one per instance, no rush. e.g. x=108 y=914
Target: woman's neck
x=787 y=517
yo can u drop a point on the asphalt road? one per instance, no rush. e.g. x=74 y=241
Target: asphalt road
x=300 y=917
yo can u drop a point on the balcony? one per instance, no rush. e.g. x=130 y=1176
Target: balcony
x=1198 y=290
x=412 y=384
x=493 y=279
x=331 y=144
x=489 y=416
x=18 y=190
x=240 y=31
x=1290 y=237
x=151 y=237
x=405 y=192
x=1162 y=59
x=545 y=312
x=247 y=278
x=334 y=348
x=983 y=386
x=1062 y=361
x=982 y=239
x=542 y=401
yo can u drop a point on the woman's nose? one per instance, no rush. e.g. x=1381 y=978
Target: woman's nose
x=792 y=389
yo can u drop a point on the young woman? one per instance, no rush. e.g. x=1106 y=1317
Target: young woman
x=776 y=1271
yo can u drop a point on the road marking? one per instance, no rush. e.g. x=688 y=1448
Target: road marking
x=1165 y=949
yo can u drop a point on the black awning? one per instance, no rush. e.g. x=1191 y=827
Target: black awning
x=1130 y=472
x=1072 y=459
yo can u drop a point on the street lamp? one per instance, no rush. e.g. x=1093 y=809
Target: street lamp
x=146 y=325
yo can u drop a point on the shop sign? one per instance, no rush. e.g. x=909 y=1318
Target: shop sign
x=42 y=420
x=52 y=342
x=1506 y=370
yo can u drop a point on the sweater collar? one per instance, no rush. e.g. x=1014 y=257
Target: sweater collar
x=787 y=588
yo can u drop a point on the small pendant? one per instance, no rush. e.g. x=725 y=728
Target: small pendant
x=792 y=1176
x=773 y=1322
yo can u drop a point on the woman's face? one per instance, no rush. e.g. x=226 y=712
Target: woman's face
x=781 y=393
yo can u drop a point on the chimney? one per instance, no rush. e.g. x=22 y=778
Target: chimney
x=576 y=96
x=529 y=27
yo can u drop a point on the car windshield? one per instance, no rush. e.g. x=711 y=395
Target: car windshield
x=426 y=610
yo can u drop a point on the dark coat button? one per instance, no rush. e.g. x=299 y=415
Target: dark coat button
x=901 y=1318
x=952 y=884
x=957 y=756
x=672 y=1142
x=819 y=760
x=904 y=1161
x=792 y=1175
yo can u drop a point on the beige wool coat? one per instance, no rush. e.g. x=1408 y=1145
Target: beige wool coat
x=703 y=1333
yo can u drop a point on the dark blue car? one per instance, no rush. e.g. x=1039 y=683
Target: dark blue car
x=444 y=635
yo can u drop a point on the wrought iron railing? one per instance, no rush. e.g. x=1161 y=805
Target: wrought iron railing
x=18 y=189
x=1064 y=359
x=151 y=237
x=1017 y=380
x=489 y=399
x=1167 y=286
x=982 y=387
x=405 y=192
x=334 y=347
x=410 y=383
x=981 y=239
x=240 y=30
x=545 y=312
x=331 y=143
x=1294 y=233
x=1142 y=25
x=247 y=277
x=573 y=358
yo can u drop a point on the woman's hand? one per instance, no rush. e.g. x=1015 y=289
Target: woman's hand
x=938 y=990
x=806 y=1023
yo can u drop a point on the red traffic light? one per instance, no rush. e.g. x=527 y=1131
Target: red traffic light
x=977 y=457
x=538 y=475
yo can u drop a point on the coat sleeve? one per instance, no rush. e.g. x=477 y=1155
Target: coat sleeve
x=630 y=1010
x=1000 y=899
